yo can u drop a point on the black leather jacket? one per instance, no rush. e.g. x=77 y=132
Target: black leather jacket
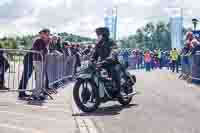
x=103 y=50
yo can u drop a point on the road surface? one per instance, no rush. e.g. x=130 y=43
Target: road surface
x=165 y=104
x=53 y=116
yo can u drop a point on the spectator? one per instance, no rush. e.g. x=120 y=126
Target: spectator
x=168 y=60
x=160 y=55
x=125 y=55
x=70 y=59
x=40 y=45
x=67 y=49
x=87 y=50
x=196 y=46
x=185 y=63
x=189 y=38
x=27 y=72
x=156 y=58
x=77 y=55
x=134 y=60
x=161 y=60
x=147 y=59
x=141 y=59
x=152 y=60
x=137 y=60
x=4 y=65
x=54 y=46
x=174 y=58
x=59 y=44
x=73 y=50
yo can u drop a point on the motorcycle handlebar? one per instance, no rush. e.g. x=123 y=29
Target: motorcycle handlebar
x=97 y=64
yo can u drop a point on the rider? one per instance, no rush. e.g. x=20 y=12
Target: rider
x=102 y=51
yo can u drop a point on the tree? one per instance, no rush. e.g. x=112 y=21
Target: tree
x=150 y=36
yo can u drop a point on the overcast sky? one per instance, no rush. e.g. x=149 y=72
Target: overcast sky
x=83 y=16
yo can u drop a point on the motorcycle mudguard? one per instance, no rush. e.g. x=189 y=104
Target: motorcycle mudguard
x=133 y=77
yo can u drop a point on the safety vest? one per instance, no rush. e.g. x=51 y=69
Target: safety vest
x=174 y=55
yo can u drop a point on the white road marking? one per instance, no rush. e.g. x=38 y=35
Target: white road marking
x=91 y=126
x=85 y=124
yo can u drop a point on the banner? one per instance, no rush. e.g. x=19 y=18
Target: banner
x=109 y=21
x=176 y=28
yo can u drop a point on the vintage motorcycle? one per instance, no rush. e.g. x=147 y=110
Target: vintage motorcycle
x=94 y=86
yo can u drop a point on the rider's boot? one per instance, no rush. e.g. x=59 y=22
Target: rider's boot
x=118 y=93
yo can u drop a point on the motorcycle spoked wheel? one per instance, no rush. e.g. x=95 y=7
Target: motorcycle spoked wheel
x=86 y=96
x=126 y=101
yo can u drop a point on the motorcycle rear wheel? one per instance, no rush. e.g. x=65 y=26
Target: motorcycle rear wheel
x=125 y=101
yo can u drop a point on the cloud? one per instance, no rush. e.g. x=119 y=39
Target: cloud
x=82 y=17
x=145 y=2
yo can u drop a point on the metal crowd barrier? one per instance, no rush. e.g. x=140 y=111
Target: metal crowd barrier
x=191 y=67
x=195 y=67
x=185 y=65
x=18 y=71
x=59 y=67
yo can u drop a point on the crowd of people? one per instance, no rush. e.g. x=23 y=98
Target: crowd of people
x=159 y=58
x=191 y=48
x=51 y=44
x=44 y=43
x=151 y=59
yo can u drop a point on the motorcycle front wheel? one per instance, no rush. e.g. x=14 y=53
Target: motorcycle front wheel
x=86 y=95
x=125 y=101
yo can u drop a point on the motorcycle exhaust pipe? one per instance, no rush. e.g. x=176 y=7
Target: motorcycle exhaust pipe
x=130 y=95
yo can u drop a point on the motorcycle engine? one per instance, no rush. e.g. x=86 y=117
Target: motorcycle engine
x=104 y=73
x=106 y=79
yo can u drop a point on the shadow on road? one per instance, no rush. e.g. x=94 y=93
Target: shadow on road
x=36 y=102
x=107 y=111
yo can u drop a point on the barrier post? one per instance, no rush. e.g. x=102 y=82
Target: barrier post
x=195 y=67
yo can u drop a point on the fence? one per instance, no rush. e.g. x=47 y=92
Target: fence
x=191 y=67
x=133 y=62
x=20 y=71
x=59 y=67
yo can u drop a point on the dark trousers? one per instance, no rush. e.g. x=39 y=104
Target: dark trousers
x=161 y=63
x=175 y=66
x=2 y=79
x=28 y=70
x=148 y=66
x=78 y=63
x=47 y=81
x=3 y=68
x=126 y=64
x=115 y=74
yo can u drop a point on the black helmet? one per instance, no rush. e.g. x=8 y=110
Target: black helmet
x=104 y=31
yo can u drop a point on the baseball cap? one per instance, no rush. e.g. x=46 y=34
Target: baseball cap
x=45 y=30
